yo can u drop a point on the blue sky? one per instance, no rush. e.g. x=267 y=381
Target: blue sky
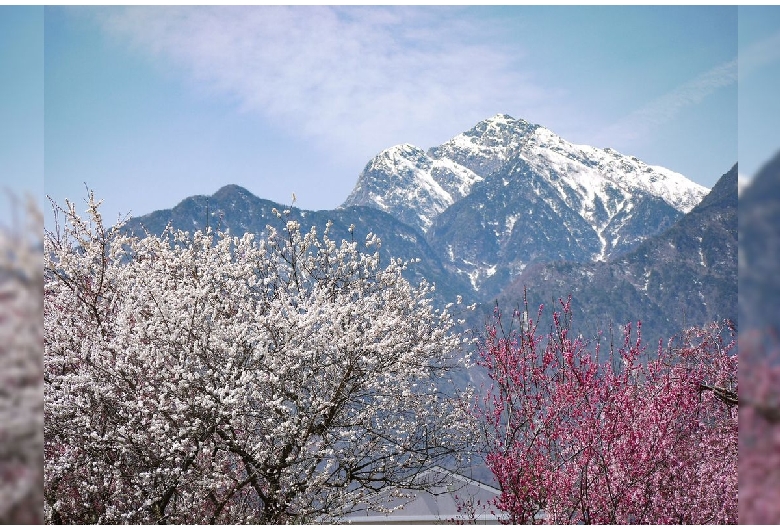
x=151 y=105
x=759 y=86
x=21 y=109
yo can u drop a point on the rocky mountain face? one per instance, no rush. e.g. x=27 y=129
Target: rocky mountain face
x=411 y=185
x=687 y=275
x=519 y=217
x=527 y=196
x=417 y=186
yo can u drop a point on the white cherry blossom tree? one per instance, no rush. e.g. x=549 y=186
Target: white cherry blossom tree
x=204 y=378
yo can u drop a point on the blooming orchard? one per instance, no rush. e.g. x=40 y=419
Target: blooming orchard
x=578 y=436
x=213 y=379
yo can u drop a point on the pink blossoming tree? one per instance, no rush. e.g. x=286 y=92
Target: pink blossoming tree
x=578 y=435
x=759 y=434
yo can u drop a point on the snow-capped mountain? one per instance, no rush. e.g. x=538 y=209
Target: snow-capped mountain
x=509 y=205
x=411 y=185
x=494 y=200
x=508 y=193
x=416 y=186
x=486 y=147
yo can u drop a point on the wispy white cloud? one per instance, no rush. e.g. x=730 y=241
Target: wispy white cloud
x=348 y=79
x=759 y=54
x=647 y=119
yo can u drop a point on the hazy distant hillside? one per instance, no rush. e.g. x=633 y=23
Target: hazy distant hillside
x=759 y=248
x=236 y=209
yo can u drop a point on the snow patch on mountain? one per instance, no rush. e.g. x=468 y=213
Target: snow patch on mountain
x=600 y=185
x=486 y=147
x=595 y=172
x=411 y=185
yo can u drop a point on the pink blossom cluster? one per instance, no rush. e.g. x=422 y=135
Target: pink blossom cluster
x=576 y=435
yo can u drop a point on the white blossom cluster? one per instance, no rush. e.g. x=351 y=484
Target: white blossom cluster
x=202 y=378
x=21 y=373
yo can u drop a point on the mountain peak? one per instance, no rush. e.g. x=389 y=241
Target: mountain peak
x=487 y=146
x=398 y=159
x=231 y=189
x=503 y=123
x=500 y=118
x=416 y=186
x=404 y=149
